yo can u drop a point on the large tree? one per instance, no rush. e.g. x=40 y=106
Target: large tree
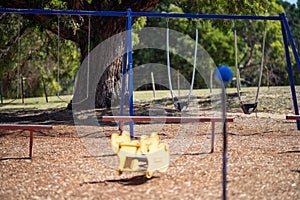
x=216 y=36
x=75 y=28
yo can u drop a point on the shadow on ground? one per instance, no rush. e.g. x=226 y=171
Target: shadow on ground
x=136 y=180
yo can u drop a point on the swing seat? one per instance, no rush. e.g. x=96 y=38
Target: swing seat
x=248 y=108
x=180 y=105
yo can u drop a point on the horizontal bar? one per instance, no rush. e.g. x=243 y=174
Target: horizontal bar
x=163 y=119
x=203 y=16
x=293 y=117
x=24 y=127
x=141 y=157
x=63 y=12
x=136 y=14
x=129 y=145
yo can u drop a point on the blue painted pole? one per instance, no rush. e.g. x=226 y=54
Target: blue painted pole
x=63 y=12
x=137 y=14
x=223 y=74
x=289 y=34
x=290 y=70
x=204 y=16
x=224 y=166
x=130 y=72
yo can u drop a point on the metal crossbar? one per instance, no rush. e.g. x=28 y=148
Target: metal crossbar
x=164 y=119
x=286 y=32
x=293 y=117
x=213 y=120
x=27 y=127
x=138 y=14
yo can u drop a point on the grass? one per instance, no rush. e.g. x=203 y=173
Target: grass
x=36 y=103
x=139 y=96
x=161 y=94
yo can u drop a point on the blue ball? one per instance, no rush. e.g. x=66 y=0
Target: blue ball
x=223 y=74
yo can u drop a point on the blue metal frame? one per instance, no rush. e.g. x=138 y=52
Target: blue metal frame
x=130 y=71
x=136 y=14
x=64 y=12
x=290 y=37
x=204 y=16
x=286 y=33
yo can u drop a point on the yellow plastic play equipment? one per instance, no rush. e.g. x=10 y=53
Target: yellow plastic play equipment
x=138 y=155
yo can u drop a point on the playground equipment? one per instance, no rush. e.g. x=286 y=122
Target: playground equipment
x=148 y=151
x=128 y=65
x=286 y=33
x=223 y=75
x=293 y=117
x=147 y=154
x=180 y=105
x=212 y=120
x=30 y=127
x=58 y=59
x=249 y=108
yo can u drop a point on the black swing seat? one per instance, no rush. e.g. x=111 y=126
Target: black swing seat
x=248 y=108
x=180 y=105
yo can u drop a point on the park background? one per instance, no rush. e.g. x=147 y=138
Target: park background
x=263 y=156
x=37 y=60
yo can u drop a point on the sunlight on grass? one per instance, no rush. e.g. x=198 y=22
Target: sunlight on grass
x=36 y=103
x=160 y=94
x=140 y=96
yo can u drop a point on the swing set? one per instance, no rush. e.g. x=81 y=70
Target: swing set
x=247 y=108
x=128 y=67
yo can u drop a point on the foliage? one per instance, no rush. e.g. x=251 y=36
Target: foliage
x=39 y=44
x=216 y=36
x=73 y=33
x=38 y=50
x=292 y=12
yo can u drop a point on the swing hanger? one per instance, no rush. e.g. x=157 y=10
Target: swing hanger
x=180 y=105
x=249 y=108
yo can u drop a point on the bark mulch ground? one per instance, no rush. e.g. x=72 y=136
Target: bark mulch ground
x=263 y=162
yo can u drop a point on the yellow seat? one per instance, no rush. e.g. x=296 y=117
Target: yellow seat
x=134 y=155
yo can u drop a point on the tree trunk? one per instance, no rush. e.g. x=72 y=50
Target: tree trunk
x=102 y=28
x=109 y=85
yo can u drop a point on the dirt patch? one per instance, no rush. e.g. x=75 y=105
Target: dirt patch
x=263 y=160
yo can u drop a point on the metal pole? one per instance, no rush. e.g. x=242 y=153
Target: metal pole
x=130 y=72
x=290 y=70
x=22 y=89
x=290 y=37
x=123 y=81
x=153 y=85
x=45 y=90
x=211 y=81
x=212 y=137
x=1 y=91
x=30 y=143
x=178 y=82
x=137 y=14
x=224 y=169
x=19 y=58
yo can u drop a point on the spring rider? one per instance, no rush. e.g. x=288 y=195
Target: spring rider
x=146 y=154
